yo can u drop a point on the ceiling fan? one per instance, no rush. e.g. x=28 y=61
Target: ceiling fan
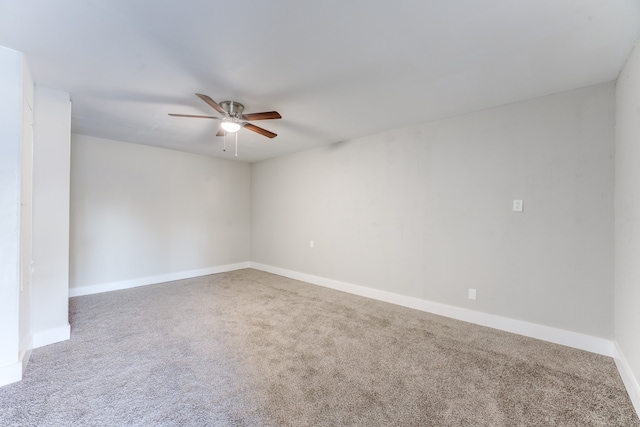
x=233 y=119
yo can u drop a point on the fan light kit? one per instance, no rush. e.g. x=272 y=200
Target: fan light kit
x=233 y=120
x=230 y=125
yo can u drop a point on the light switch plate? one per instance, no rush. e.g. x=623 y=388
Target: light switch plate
x=472 y=294
x=518 y=205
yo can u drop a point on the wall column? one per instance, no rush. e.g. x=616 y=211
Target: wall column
x=15 y=95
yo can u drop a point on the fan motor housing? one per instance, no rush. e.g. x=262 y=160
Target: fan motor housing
x=234 y=109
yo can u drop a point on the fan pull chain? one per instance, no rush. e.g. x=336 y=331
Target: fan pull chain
x=224 y=143
x=236 y=144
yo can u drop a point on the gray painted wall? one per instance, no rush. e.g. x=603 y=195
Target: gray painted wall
x=425 y=211
x=139 y=211
x=627 y=214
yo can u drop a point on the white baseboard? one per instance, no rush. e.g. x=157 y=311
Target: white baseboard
x=26 y=346
x=153 y=280
x=10 y=373
x=51 y=336
x=533 y=330
x=629 y=380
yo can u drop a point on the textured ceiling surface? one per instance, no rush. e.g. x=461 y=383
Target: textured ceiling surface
x=335 y=70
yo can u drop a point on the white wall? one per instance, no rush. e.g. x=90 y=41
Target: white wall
x=51 y=180
x=144 y=213
x=26 y=213
x=426 y=212
x=14 y=304
x=627 y=221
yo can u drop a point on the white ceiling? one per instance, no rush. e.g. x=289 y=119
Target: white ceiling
x=334 y=69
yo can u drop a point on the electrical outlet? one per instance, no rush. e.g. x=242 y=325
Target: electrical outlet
x=473 y=294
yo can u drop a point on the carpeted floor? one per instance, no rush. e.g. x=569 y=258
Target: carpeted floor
x=248 y=348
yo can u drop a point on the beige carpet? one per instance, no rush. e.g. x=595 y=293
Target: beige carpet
x=249 y=348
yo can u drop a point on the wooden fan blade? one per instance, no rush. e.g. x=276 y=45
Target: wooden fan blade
x=267 y=115
x=212 y=103
x=191 y=115
x=259 y=130
x=221 y=132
